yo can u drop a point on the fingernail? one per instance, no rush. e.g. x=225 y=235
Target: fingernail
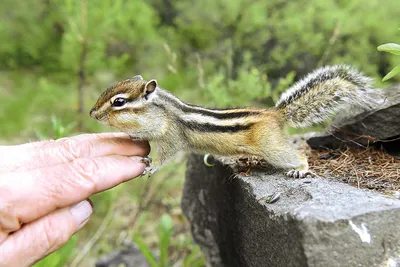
x=90 y=202
x=81 y=212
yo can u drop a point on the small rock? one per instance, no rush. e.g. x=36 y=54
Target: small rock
x=271 y=198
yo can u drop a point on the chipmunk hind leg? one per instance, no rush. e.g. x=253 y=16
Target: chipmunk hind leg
x=280 y=153
x=303 y=170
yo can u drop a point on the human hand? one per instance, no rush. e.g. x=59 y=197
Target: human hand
x=44 y=188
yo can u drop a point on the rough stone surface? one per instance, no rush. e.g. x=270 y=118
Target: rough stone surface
x=315 y=222
x=382 y=123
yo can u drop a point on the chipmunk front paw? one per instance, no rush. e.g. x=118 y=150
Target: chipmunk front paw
x=147 y=161
x=149 y=169
x=300 y=174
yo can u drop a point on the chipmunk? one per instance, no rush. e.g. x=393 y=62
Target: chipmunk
x=145 y=111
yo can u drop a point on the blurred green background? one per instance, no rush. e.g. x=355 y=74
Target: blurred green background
x=57 y=56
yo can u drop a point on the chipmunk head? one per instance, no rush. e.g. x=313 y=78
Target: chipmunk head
x=129 y=106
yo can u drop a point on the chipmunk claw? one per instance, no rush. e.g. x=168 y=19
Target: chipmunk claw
x=153 y=170
x=149 y=169
x=147 y=161
x=146 y=171
x=246 y=173
x=299 y=174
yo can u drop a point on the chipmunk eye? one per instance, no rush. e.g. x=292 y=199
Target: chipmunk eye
x=119 y=102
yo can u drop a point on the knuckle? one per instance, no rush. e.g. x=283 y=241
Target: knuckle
x=85 y=169
x=54 y=190
x=53 y=238
x=8 y=218
x=8 y=222
x=71 y=148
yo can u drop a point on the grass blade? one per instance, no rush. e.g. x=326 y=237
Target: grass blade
x=165 y=232
x=146 y=251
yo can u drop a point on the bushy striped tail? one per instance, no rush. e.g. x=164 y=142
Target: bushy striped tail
x=324 y=92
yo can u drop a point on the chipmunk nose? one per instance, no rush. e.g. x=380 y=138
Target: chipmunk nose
x=91 y=113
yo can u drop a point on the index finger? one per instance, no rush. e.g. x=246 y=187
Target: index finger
x=65 y=150
x=80 y=137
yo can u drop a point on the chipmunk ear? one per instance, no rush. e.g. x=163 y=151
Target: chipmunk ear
x=137 y=78
x=150 y=87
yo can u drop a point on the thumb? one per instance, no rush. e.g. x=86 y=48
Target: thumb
x=39 y=238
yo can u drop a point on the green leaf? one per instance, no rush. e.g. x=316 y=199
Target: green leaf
x=146 y=251
x=194 y=258
x=166 y=223
x=392 y=73
x=391 y=48
x=60 y=257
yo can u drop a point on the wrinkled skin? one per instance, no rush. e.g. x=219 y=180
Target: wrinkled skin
x=45 y=186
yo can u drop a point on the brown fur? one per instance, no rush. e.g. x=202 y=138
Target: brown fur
x=174 y=125
x=133 y=88
x=117 y=117
x=265 y=139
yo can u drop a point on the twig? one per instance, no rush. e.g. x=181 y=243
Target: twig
x=346 y=141
x=145 y=198
x=331 y=42
x=94 y=238
x=81 y=70
x=142 y=204
x=355 y=172
x=199 y=66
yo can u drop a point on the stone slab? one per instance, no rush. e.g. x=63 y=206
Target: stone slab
x=315 y=222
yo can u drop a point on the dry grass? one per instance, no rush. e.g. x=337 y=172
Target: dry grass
x=369 y=168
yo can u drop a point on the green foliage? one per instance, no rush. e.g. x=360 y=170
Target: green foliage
x=164 y=232
x=58 y=130
x=101 y=27
x=29 y=101
x=280 y=38
x=31 y=33
x=165 y=244
x=250 y=85
x=224 y=53
x=146 y=251
x=391 y=48
x=392 y=73
x=394 y=49
x=165 y=228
